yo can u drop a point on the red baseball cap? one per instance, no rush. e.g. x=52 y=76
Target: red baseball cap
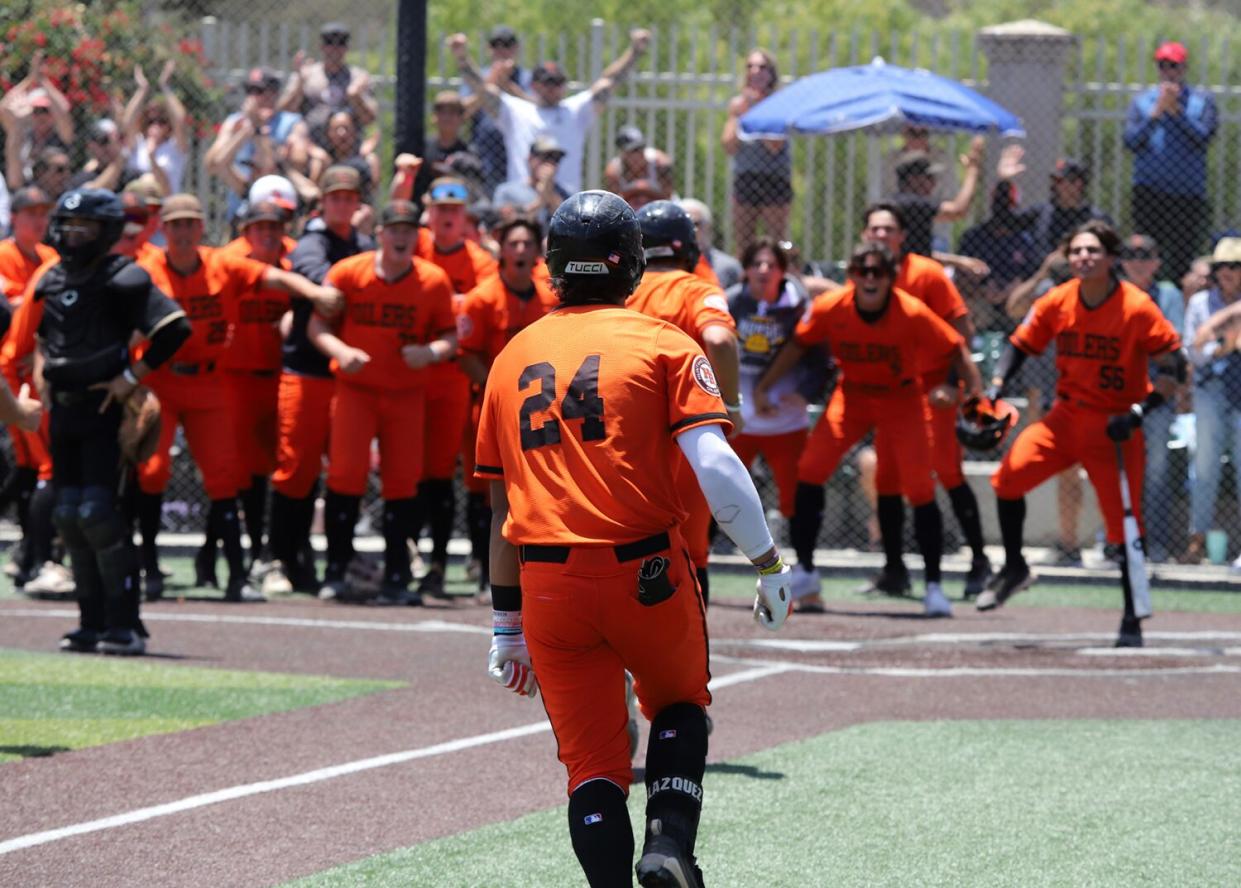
x=1172 y=52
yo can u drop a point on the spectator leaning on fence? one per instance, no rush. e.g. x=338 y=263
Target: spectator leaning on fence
x=1140 y=262
x=1168 y=128
x=1217 y=390
x=317 y=90
x=568 y=119
x=154 y=131
x=762 y=169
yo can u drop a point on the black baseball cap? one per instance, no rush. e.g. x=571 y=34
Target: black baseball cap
x=503 y=35
x=630 y=138
x=1070 y=168
x=29 y=196
x=400 y=212
x=265 y=211
x=549 y=72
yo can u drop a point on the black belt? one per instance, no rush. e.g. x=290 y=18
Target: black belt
x=624 y=552
x=72 y=399
x=191 y=369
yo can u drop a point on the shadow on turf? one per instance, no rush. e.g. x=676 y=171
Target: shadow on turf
x=723 y=768
x=32 y=751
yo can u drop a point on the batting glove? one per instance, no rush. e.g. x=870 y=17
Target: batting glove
x=773 y=602
x=508 y=663
x=1120 y=427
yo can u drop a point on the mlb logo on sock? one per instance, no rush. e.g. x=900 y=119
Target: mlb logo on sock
x=668 y=735
x=593 y=818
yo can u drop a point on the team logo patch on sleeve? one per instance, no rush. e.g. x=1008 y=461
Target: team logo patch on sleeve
x=705 y=376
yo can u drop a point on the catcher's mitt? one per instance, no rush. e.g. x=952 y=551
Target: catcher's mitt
x=139 y=433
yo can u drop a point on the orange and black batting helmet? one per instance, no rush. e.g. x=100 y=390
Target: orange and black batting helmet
x=983 y=424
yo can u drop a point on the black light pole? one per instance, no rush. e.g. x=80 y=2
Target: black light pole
x=411 y=76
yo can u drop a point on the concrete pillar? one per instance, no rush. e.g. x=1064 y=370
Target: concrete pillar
x=1026 y=63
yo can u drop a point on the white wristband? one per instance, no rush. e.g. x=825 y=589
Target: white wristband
x=129 y=376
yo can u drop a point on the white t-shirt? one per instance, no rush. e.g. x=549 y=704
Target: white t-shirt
x=168 y=156
x=522 y=121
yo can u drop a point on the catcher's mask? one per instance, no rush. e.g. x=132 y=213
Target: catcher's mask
x=984 y=424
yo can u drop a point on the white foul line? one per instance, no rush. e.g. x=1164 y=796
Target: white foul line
x=982 y=671
x=380 y=761
x=299 y=622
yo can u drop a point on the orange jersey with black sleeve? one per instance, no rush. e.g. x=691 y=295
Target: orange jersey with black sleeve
x=579 y=419
x=382 y=317
x=19 y=342
x=16 y=268
x=683 y=300
x=885 y=356
x=209 y=296
x=1102 y=353
x=925 y=279
x=256 y=342
x=493 y=314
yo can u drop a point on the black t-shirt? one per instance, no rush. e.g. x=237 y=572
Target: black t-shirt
x=316 y=252
x=88 y=320
x=919 y=213
x=435 y=164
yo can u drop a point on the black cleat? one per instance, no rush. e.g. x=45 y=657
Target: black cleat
x=892 y=582
x=80 y=641
x=152 y=585
x=1003 y=586
x=665 y=865
x=976 y=579
x=122 y=643
x=1130 y=635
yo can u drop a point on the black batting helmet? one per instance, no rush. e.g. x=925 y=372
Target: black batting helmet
x=97 y=204
x=668 y=233
x=594 y=235
x=984 y=424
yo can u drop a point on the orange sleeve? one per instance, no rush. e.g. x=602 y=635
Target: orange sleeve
x=709 y=306
x=812 y=328
x=704 y=271
x=693 y=394
x=1037 y=328
x=487 y=461
x=474 y=321
x=943 y=297
x=20 y=340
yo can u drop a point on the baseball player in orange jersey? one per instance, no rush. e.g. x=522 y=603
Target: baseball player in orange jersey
x=251 y=365
x=494 y=312
x=21 y=255
x=925 y=279
x=882 y=339
x=208 y=284
x=448 y=388
x=671 y=292
x=590 y=575
x=397 y=322
x=1106 y=332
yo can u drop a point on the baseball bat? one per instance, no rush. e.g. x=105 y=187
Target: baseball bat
x=1135 y=558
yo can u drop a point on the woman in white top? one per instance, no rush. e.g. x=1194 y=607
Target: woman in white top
x=154 y=131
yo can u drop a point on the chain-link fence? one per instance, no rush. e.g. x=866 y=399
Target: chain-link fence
x=1140 y=127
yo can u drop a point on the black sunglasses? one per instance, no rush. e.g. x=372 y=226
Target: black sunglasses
x=1232 y=266
x=1166 y=65
x=869 y=271
x=503 y=43
x=335 y=40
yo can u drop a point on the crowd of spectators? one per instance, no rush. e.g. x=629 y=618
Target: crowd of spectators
x=514 y=137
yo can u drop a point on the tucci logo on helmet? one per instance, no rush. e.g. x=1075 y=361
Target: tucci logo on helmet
x=578 y=267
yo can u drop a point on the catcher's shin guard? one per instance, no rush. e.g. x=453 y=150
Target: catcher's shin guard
x=86 y=580
x=104 y=530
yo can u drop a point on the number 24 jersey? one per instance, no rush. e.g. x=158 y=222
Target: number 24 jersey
x=579 y=420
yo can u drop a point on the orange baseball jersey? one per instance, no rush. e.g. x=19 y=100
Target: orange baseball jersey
x=146 y=252
x=19 y=342
x=925 y=279
x=16 y=268
x=704 y=270
x=883 y=356
x=255 y=343
x=209 y=297
x=382 y=317
x=578 y=420
x=1102 y=353
x=683 y=300
x=493 y=314
x=465 y=266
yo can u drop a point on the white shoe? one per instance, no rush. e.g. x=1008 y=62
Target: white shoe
x=52 y=579
x=936 y=603
x=804 y=583
x=276 y=581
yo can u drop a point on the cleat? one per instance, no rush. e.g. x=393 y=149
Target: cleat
x=240 y=591
x=333 y=590
x=1066 y=556
x=976 y=579
x=53 y=580
x=890 y=582
x=432 y=582
x=152 y=585
x=122 y=643
x=665 y=865
x=276 y=581
x=1130 y=635
x=80 y=641
x=935 y=603
x=1007 y=583
x=392 y=593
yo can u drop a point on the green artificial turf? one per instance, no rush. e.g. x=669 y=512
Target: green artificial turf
x=54 y=702
x=1003 y=803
